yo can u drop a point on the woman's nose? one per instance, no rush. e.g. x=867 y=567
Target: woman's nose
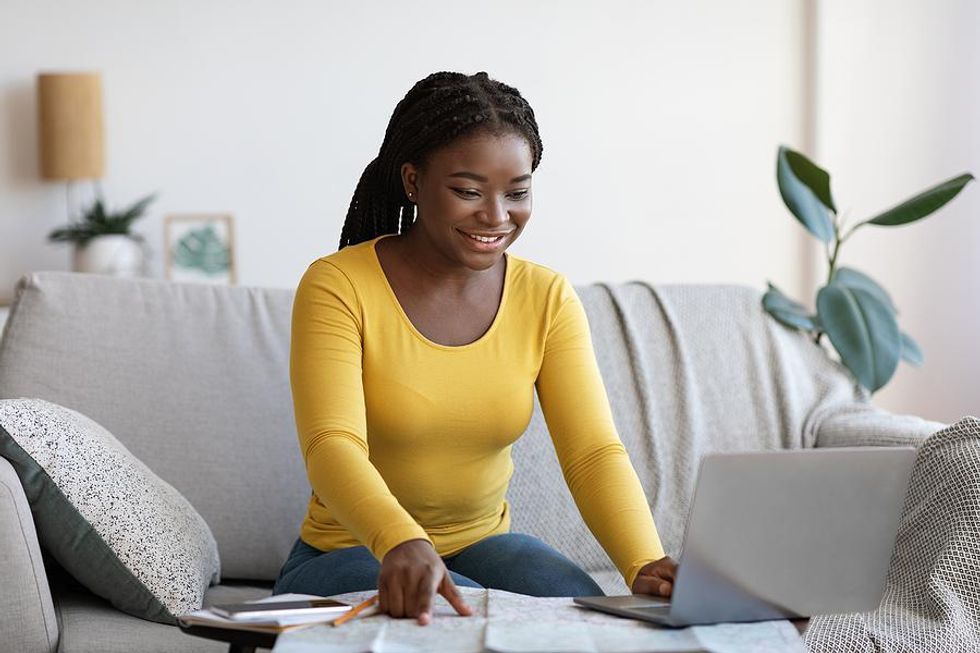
x=495 y=213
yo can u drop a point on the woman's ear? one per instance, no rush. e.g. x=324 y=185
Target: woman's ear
x=410 y=180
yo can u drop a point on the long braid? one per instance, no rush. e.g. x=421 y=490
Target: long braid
x=436 y=110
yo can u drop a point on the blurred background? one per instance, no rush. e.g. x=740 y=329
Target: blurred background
x=660 y=122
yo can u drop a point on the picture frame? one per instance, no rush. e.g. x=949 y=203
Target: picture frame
x=200 y=248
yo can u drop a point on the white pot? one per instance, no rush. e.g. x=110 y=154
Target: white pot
x=114 y=254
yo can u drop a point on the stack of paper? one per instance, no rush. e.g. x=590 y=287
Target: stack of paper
x=265 y=625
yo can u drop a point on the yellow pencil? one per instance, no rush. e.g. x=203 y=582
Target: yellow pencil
x=347 y=616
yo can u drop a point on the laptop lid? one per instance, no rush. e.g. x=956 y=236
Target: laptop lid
x=783 y=534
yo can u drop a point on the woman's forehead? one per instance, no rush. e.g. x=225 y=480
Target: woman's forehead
x=484 y=153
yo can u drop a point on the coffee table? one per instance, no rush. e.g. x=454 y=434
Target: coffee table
x=239 y=641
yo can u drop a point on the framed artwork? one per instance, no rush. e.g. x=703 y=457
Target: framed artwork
x=200 y=248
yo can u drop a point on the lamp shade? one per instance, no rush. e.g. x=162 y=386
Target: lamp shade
x=70 y=123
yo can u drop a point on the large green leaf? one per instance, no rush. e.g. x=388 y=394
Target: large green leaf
x=813 y=176
x=803 y=200
x=786 y=311
x=923 y=204
x=911 y=353
x=854 y=279
x=864 y=332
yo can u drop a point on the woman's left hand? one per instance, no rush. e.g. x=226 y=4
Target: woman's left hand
x=656 y=578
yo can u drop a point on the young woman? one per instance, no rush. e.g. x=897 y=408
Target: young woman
x=415 y=352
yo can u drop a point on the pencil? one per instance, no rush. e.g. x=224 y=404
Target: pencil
x=347 y=616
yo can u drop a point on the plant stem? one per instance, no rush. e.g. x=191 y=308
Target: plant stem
x=832 y=261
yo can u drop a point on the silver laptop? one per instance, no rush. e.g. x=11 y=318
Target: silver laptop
x=781 y=535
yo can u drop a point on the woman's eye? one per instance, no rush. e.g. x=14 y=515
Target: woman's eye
x=472 y=194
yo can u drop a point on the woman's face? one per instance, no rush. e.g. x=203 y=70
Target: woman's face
x=479 y=185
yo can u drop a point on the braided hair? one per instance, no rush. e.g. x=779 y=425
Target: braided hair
x=437 y=110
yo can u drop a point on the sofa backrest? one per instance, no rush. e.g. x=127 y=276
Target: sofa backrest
x=194 y=380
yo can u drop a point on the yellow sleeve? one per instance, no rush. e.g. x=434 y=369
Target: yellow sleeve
x=328 y=401
x=593 y=460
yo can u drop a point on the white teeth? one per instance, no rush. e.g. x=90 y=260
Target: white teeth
x=485 y=239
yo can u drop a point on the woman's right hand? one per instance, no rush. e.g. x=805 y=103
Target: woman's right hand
x=411 y=574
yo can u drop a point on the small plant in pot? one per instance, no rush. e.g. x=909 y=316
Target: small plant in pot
x=103 y=241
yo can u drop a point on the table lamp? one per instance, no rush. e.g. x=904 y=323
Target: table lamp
x=70 y=120
x=70 y=127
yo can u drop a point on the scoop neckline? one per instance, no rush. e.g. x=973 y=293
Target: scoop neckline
x=418 y=334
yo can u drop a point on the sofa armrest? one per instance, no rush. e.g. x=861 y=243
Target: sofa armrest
x=863 y=425
x=27 y=617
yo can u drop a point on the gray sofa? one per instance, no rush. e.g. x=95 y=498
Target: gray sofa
x=194 y=381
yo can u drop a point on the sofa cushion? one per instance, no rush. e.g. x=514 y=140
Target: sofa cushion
x=110 y=521
x=89 y=624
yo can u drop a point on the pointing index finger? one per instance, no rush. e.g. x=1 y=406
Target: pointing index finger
x=449 y=590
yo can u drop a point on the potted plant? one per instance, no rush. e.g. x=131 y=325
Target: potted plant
x=103 y=241
x=853 y=310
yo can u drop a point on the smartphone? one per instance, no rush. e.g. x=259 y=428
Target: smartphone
x=271 y=609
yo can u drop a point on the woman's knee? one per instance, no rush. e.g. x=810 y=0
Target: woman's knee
x=524 y=564
x=334 y=572
x=463 y=581
x=300 y=553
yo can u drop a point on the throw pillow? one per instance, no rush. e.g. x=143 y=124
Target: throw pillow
x=113 y=524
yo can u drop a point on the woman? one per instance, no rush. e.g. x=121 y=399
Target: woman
x=415 y=352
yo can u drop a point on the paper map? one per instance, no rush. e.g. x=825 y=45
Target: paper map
x=504 y=622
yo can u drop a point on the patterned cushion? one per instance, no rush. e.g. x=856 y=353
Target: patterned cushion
x=123 y=532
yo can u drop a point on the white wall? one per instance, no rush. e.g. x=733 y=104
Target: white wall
x=899 y=110
x=660 y=123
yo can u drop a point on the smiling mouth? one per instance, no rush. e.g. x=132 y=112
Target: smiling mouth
x=489 y=238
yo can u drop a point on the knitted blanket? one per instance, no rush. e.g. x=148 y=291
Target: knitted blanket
x=932 y=593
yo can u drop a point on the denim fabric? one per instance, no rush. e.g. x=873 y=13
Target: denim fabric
x=510 y=561
x=524 y=565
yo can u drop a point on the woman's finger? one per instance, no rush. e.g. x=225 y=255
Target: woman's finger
x=425 y=590
x=652 y=586
x=396 y=597
x=449 y=590
x=382 y=597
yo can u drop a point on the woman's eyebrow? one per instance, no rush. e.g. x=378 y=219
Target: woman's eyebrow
x=476 y=177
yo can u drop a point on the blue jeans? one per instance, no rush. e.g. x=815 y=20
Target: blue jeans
x=509 y=561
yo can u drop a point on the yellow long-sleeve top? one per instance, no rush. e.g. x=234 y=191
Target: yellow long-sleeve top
x=405 y=438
